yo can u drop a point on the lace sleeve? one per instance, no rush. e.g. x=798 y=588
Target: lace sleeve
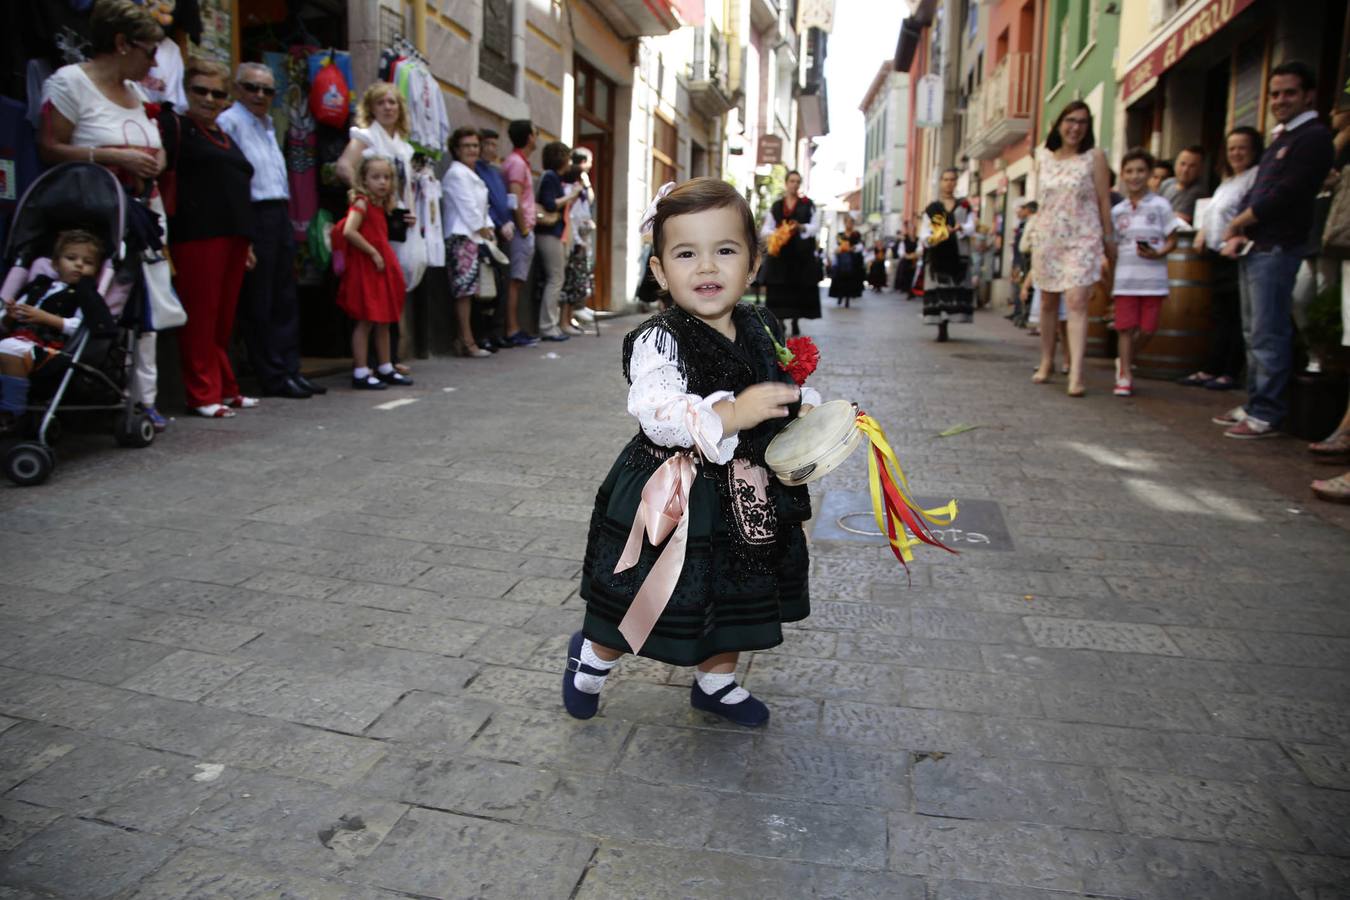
x=668 y=415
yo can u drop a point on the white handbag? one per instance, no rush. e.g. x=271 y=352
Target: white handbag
x=163 y=310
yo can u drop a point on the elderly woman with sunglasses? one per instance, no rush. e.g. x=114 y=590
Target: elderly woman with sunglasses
x=212 y=226
x=94 y=112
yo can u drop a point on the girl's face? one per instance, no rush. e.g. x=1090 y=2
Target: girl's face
x=1073 y=128
x=793 y=184
x=386 y=109
x=379 y=181
x=1134 y=176
x=76 y=261
x=705 y=262
x=1241 y=153
x=947 y=184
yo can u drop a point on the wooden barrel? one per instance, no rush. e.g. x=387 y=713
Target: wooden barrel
x=1101 y=338
x=1181 y=344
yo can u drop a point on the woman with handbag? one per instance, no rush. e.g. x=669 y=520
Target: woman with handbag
x=95 y=112
x=213 y=228
x=553 y=200
x=465 y=220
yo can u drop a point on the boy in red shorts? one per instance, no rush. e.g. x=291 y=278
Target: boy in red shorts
x=1146 y=232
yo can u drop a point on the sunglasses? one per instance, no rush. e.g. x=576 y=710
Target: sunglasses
x=252 y=88
x=149 y=51
x=214 y=94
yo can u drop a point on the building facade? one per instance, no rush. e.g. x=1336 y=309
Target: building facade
x=885 y=109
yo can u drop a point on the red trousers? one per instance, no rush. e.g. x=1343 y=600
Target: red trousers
x=208 y=274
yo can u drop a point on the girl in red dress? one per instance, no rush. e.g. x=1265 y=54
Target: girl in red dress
x=372 y=286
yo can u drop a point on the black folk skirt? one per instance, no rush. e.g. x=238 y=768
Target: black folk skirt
x=720 y=604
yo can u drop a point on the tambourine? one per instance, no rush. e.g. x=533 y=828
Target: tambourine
x=815 y=444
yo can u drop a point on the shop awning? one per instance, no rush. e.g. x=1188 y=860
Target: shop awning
x=1190 y=29
x=911 y=29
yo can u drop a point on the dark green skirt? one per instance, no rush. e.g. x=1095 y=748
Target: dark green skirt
x=731 y=596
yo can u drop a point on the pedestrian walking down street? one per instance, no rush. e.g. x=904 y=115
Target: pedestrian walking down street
x=708 y=395
x=876 y=269
x=1145 y=231
x=949 y=277
x=790 y=269
x=1072 y=234
x=847 y=273
x=907 y=252
x=372 y=289
x=1276 y=221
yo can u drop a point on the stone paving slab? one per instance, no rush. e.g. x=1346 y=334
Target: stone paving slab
x=314 y=651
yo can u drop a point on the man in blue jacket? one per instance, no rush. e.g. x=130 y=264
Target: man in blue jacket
x=1276 y=221
x=499 y=210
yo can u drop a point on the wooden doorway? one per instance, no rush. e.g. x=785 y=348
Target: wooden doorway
x=595 y=131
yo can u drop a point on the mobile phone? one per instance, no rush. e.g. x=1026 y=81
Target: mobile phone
x=1142 y=245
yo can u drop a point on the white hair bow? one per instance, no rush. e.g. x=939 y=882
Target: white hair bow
x=649 y=214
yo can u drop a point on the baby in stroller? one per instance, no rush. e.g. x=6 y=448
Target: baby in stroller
x=37 y=323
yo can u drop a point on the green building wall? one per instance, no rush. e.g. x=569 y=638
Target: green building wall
x=1079 y=61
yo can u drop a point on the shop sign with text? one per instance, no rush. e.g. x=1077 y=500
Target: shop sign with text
x=1198 y=27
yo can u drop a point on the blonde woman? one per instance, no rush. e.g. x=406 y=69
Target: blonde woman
x=382 y=129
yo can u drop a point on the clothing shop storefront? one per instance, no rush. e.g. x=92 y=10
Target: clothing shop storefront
x=1206 y=71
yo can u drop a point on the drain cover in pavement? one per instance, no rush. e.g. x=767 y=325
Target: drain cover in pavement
x=847 y=516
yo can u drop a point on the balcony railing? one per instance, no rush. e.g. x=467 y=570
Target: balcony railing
x=1002 y=114
x=707 y=73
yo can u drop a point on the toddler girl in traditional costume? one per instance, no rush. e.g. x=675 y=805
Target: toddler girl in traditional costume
x=696 y=551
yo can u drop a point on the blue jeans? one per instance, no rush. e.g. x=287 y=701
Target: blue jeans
x=1266 y=279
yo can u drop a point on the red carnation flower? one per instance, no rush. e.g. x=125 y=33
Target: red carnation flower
x=805 y=358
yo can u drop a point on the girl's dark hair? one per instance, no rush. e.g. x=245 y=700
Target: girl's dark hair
x=790 y=173
x=1258 y=146
x=699 y=195
x=1137 y=153
x=1053 y=141
x=555 y=155
x=458 y=135
x=113 y=17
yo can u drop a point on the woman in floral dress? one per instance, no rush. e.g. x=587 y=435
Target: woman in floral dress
x=1073 y=234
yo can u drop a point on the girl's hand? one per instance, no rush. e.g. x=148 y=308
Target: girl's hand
x=761 y=402
x=252 y=261
x=1147 y=252
x=410 y=218
x=806 y=408
x=378 y=260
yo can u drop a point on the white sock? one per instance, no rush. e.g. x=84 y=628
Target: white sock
x=386 y=368
x=712 y=682
x=591 y=684
x=360 y=373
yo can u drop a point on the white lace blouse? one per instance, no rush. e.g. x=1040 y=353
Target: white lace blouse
x=671 y=416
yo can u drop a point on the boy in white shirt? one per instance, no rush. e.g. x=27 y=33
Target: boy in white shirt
x=1146 y=232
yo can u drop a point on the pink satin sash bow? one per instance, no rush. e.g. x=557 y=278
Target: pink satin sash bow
x=663 y=512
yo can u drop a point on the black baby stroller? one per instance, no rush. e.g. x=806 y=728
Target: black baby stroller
x=91 y=372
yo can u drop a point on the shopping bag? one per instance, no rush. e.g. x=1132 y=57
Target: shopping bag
x=163 y=310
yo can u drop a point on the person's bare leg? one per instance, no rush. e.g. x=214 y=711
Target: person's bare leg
x=361 y=344
x=462 y=313
x=1125 y=353
x=1077 y=301
x=605 y=653
x=721 y=664
x=382 y=351
x=1049 y=332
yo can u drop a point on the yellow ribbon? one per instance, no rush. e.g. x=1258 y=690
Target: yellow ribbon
x=882 y=464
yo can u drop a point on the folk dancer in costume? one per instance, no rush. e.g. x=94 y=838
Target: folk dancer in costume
x=790 y=269
x=948 y=276
x=696 y=553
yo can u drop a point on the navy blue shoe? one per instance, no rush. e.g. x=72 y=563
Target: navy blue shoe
x=579 y=704
x=749 y=712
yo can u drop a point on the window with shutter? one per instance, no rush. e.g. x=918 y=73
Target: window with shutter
x=494 y=50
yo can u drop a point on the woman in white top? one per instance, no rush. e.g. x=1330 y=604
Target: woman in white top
x=382 y=129
x=1226 y=351
x=95 y=112
x=464 y=212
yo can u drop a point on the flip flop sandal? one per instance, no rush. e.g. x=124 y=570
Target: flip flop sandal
x=1336 y=445
x=1195 y=379
x=214 y=411
x=1222 y=383
x=242 y=402
x=1333 y=490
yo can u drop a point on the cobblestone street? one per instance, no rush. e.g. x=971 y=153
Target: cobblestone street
x=315 y=652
